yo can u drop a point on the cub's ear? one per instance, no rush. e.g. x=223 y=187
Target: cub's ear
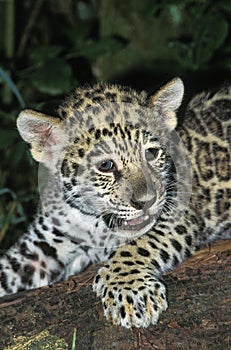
x=167 y=100
x=40 y=131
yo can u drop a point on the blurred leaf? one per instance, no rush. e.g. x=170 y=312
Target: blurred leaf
x=53 y=77
x=209 y=37
x=85 y=11
x=41 y=54
x=210 y=33
x=13 y=87
x=184 y=52
x=4 y=191
x=93 y=49
x=175 y=13
x=197 y=11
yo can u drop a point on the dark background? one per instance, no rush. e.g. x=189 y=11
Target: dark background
x=47 y=47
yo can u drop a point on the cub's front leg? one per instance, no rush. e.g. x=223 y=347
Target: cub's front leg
x=130 y=298
x=129 y=285
x=38 y=259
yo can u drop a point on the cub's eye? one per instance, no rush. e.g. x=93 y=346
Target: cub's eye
x=107 y=166
x=152 y=154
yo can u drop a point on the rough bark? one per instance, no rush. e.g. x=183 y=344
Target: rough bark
x=199 y=314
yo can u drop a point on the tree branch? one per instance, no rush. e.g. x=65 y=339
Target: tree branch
x=199 y=314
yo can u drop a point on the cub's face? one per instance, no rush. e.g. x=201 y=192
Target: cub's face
x=111 y=159
x=120 y=171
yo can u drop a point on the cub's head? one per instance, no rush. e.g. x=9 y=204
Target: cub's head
x=110 y=151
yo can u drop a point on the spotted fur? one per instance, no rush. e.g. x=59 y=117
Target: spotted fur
x=119 y=189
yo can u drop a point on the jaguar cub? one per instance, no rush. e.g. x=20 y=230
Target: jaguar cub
x=118 y=184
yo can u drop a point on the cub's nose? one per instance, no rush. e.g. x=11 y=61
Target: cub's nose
x=140 y=205
x=137 y=204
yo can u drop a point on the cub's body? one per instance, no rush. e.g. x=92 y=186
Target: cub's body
x=122 y=187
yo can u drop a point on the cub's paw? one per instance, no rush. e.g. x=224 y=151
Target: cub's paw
x=136 y=301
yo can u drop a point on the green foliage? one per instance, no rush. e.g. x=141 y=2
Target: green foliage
x=13 y=214
x=168 y=37
x=211 y=29
x=43 y=79
x=49 y=47
x=13 y=88
x=74 y=340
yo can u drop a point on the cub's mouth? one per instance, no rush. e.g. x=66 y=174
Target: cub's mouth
x=115 y=222
x=136 y=223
